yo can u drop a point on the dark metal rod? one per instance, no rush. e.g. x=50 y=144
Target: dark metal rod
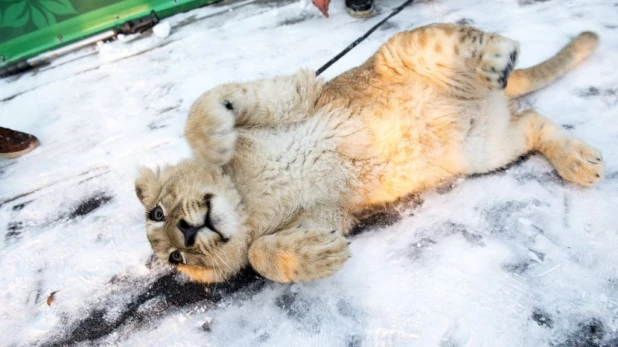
x=360 y=39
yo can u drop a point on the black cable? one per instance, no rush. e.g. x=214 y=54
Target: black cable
x=360 y=39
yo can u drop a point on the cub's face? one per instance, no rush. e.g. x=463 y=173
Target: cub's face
x=194 y=219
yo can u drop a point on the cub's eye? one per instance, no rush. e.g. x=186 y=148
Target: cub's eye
x=184 y=226
x=228 y=105
x=156 y=214
x=175 y=257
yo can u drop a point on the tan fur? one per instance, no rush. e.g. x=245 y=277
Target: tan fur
x=202 y=274
x=297 y=160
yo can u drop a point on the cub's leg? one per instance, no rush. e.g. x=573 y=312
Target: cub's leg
x=573 y=159
x=215 y=115
x=465 y=61
x=299 y=254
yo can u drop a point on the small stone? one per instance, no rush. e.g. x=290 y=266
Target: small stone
x=207 y=325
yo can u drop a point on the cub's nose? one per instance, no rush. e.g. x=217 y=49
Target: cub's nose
x=188 y=231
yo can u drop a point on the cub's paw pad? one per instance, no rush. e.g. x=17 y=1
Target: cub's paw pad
x=579 y=163
x=498 y=61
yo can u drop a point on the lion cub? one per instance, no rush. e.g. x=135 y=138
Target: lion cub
x=284 y=164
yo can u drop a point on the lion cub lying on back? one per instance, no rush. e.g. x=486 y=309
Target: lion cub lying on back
x=286 y=163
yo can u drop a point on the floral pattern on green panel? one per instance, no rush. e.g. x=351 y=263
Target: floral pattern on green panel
x=41 y=13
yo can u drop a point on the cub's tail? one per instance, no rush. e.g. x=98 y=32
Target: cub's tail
x=524 y=81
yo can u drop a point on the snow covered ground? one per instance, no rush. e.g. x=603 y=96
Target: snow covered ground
x=515 y=258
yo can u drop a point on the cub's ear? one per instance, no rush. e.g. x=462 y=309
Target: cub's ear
x=147 y=186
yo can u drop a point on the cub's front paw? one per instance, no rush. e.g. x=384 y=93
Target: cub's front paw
x=308 y=88
x=577 y=162
x=498 y=61
x=299 y=255
x=211 y=134
x=306 y=82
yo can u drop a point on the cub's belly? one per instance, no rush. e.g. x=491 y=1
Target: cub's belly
x=408 y=156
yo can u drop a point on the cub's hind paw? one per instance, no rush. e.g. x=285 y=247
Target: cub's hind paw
x=577 y=162
x=498 y=60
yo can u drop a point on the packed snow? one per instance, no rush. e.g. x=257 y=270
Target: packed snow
x=514 y=258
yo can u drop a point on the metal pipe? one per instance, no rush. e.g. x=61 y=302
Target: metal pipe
x=48 y=56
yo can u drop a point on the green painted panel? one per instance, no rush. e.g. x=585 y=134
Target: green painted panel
x=30 y=27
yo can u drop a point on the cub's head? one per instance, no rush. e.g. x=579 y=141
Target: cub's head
x=194 y=219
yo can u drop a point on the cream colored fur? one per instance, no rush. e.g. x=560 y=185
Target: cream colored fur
x=291 y=162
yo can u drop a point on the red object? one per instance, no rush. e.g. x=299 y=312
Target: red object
x=322 y=5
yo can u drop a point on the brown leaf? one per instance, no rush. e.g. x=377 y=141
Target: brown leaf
x=50 y=298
